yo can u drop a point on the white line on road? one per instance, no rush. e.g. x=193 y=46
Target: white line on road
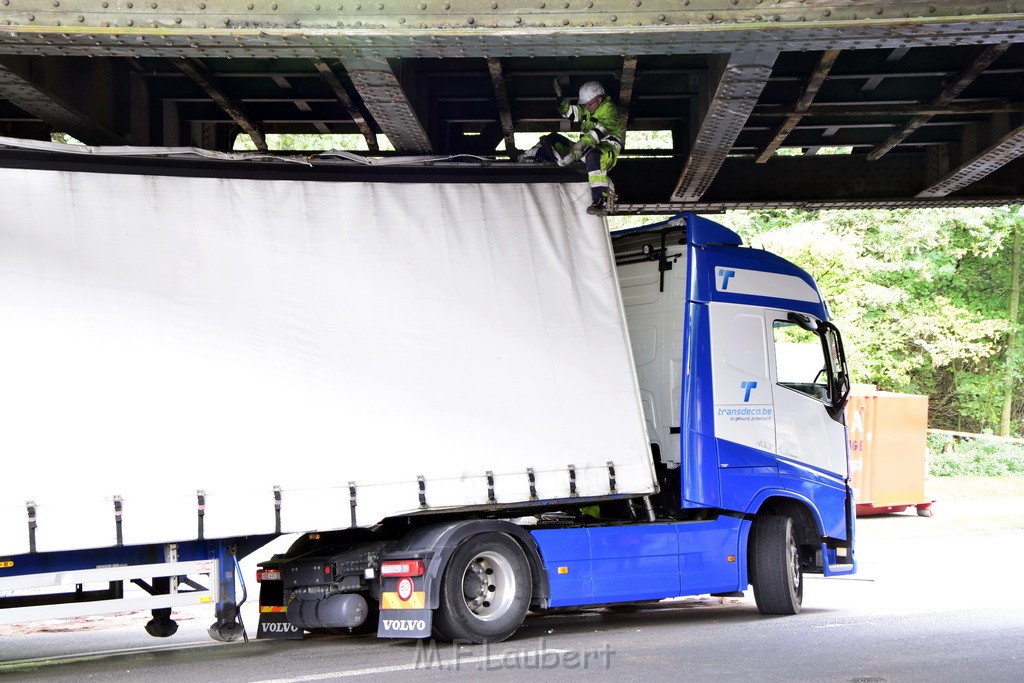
x=8 y=666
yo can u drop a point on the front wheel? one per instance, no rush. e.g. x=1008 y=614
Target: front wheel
x=486 y=590
x=775 y=571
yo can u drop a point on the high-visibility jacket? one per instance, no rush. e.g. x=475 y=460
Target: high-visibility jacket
x=604 y=125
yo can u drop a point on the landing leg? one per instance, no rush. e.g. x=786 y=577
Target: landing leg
x=228 y=626
x=161 y=625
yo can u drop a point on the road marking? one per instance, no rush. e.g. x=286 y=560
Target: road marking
x=855 y=623
x=11 y=665
x=438 y=665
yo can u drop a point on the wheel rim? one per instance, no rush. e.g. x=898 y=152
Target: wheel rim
x=794 y=563
x=489 y=585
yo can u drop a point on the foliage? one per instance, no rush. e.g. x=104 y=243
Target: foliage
x=298 y=142
x=921 y=297
x=949 y=457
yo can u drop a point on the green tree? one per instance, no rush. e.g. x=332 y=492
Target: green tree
x=921 y=296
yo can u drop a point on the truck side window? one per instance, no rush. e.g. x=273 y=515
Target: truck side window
x=800 y=360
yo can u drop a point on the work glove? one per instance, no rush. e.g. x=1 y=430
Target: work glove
x=574 y=154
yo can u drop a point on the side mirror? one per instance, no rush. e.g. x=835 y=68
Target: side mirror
x=805 y=322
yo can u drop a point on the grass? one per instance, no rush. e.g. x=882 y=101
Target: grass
x=963 y=505
x=977 y=488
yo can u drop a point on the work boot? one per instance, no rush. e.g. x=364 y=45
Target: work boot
x=600 y=203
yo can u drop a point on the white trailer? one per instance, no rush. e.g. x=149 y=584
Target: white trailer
x=192 y=357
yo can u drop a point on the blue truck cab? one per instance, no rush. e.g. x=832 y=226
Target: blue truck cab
x=743 y=381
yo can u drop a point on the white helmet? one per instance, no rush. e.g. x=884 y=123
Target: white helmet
x=589 y=91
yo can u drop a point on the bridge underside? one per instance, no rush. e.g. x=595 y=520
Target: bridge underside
x=755 y=103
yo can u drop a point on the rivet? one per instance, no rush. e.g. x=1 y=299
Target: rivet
x=80 y=18
x=565 y=22
x=153 y=5
x=613 y=18
x=130 y=22
x=249 y=6
x=177 y=20
x=827 y=13
x=661 y=17
x=519 y=20
x=565 y=5
x=56 y=3
x=636 y=3
x=589 y=4
x=710 y=16
x=423 y=5
x=31 y=17
x=273 y=6
x=471 y=20
x=446 y=5
x=494 y=5
x=104 y=5
x=380 y=5
x=317 y=7
x=401 y=20
x=878 y=10
x=129 y=5
x=542 y=5
x=202 y=5
x=931 y=8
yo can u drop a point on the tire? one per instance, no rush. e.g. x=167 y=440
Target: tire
x=775 y=570
x=485 y=592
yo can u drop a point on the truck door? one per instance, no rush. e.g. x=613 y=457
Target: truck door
x=811 y=387
x=808 y=384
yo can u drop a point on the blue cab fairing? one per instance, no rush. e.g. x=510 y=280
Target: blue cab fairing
x=728 y=481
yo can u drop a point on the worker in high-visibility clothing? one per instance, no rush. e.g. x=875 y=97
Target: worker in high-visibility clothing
x=599 y=144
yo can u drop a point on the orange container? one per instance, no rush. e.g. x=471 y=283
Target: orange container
x=888 y=450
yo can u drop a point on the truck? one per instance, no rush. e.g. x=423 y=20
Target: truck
x=463 y=396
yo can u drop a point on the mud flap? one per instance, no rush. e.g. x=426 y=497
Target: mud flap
x=274 y=625
x=405 y=623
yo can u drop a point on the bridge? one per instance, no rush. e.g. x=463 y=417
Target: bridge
x=754 y=103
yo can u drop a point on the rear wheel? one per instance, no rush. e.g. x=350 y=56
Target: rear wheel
x=775 y=571
x=485 y=592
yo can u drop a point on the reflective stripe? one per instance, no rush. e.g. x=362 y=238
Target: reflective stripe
x=417 y=600
x=598 y=178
